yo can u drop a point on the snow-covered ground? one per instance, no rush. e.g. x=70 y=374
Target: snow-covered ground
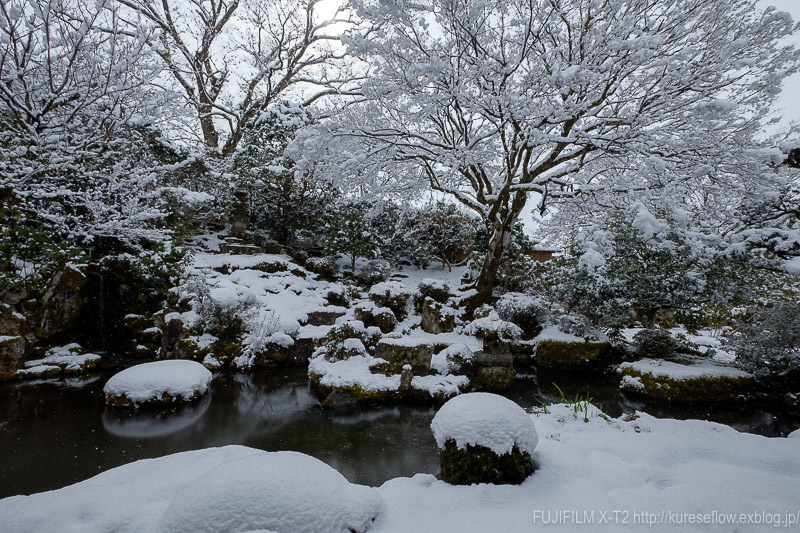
x=641 y=474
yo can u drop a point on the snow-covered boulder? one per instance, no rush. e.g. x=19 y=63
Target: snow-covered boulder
x=281 y=491
x=160 y=382
x=394 y=295
x=699 y=381
x=484 y=438
x=557 y=350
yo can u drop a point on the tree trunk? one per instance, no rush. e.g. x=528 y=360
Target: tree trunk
x=499 y=239
x=498 y=242
x=210 y=135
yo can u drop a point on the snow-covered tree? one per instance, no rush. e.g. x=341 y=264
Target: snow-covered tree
x=350 y=233
x=233 y=59
x=490 y=101
x=77 y=111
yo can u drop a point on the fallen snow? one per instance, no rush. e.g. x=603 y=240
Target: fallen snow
x=231 y=489
x=451 y=358
x=67 y=358
x=484 y=419
x=433 y=385
x=284 y=491
x=149 y=381
x=353 y=371
x=792 y=266
x=679 y=372
x=552 y=333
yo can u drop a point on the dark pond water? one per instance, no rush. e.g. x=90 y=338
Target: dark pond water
x=56 y=433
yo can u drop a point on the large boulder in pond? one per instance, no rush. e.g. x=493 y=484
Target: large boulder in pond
x=161 y=383
x=561 y=351
x=280 y=491
x=484 y=438
x=700 y=381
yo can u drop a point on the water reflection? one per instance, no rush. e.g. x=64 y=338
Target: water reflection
x=57 y=432
x=149 y=423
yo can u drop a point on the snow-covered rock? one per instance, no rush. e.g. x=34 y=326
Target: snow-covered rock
x=281 y=491
x=483 y=419
x=699 y=381
x=157 y=382
x=451 y=358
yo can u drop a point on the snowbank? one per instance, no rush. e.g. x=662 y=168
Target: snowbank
x=149 y=382
x=484 y=419
x=231 y=489
x=283 y=491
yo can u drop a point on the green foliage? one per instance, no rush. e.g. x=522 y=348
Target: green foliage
x=160 y=270
x=334 y=341
x=441 y=232
x=29 y=256
x=479 y=464
x=350 y=233
x=283 y=202
x=767 y=342
x=580 y=405
x=657 y=343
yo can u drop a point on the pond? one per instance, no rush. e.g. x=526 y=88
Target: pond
x=55 y=433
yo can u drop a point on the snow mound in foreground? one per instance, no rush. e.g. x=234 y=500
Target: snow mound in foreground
x=483 y=419
x=150 y=381
x=282 y=491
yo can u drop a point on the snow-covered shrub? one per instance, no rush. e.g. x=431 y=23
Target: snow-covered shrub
x=435 y=289
x=489 y=324
x=324 y=266
x=484 y=438
x=573 y=324
x=523 y=310
x=768 y=343
x=653 y=342
x=292 y=206
x=29 y=256
x=375 y=271
x=350 y=233
x=440 y=232
x=452 y=359
x=281 y=491
x=342 y=342
x=223 y=320
x=262 y=329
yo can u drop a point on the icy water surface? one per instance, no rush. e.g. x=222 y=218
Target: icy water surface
x=54 y=433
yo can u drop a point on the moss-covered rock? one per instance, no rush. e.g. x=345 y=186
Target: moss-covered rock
x=568 y=355
x=404 y=351
x=380 y=317
x=273 y=355
x=672 y=382
x=62 y=303
x=435 y=289
x=324 y=317
x=492 y=378
x=12 y=354
x=437 y=317
x=394 y=295
x=348 y=397
x=11 y=322
x=479 y=464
